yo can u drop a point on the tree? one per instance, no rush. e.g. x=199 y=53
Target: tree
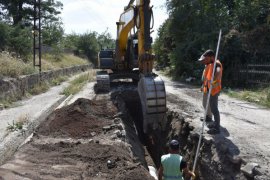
x=88 y=45
x=105 y=40
x=163 y=45
x=22 y=11
x=4 y=35
x=20 y=41
x=52 y=33
x=194 y=27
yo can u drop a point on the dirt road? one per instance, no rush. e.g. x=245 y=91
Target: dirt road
x=245 y=127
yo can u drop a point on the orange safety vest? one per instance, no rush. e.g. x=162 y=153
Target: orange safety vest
x=207 y=75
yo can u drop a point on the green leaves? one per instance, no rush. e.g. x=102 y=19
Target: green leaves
x=193 y=27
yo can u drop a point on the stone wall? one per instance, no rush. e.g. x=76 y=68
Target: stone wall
x=17 y=87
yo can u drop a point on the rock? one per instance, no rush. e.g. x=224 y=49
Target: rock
x=190 y=79
x=111 y=164
x=113 y=137
x=120 y=114
x=2 y=107
x=117 y=120
x=106 y=128
x=118 y=133
x=93 y=134
x=120 y=127
x=113 y=126
x=123 y=132
x=186 y=114
x=235 y=159
x=263 y=177
x=249 y=168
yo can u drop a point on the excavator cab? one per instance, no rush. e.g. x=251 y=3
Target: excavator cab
x=133 y=51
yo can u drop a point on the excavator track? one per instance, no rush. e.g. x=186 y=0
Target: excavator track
x=103 y=82
x=152 y=94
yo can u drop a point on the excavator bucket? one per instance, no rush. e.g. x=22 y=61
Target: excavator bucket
x=152 y=94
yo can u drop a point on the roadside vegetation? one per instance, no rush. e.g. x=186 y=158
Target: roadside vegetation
x=18 y=124
x=37 y=89
x=15 y=67
x=193 y=27
x=77 y=84
x=259 y=96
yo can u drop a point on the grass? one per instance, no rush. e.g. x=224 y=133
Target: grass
x=18 y=125
x=66 y=60
x=9 y=101
x=40 y=88
x=77 y=84
x=259 y=96
x=15 y=67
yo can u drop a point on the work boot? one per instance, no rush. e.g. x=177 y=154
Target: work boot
x=213 y=131
x=208 y=119
x=211 y=125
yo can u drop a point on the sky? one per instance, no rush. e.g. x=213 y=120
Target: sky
x=80 y=16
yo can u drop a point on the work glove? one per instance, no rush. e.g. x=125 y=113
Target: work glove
x=193 y=176
x=214 y=82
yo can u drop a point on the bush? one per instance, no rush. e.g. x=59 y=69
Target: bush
x=20 y=41
x=4 y=36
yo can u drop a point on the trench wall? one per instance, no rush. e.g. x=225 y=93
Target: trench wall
x=217 y=158
x=17 y=87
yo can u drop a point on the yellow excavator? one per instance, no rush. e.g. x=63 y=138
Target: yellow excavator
x=133 y=59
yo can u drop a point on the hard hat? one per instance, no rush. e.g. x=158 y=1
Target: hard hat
x=174 y=144
x=207 y=53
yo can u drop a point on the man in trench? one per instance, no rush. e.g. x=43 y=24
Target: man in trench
x=173 y=166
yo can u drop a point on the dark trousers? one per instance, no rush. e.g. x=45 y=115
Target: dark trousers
x=213 y=103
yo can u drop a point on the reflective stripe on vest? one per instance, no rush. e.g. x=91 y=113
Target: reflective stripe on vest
x=207 y=75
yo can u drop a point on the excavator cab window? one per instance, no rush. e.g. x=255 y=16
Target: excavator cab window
x=106 y=54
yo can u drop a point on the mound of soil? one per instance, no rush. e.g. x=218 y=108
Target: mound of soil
x=64 y=147
x=79 y=119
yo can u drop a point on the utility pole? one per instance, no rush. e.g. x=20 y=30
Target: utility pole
x=37 y=35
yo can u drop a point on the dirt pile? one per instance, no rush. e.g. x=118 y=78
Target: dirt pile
x=80 y=141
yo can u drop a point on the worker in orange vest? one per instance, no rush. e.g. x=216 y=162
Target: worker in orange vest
x=208 y=59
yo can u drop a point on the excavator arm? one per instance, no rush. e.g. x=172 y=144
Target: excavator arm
x=151 y=88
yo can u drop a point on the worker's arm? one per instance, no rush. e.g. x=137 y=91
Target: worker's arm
x=190 y=173
x=185 y=170
x=217 y=73
x=160 y=172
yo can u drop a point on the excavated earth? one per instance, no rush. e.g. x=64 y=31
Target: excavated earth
x=102 y=138
x=85 y=140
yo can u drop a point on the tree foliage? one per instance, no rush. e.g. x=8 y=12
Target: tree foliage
x=88 y=44
x=22 y=11
x=193 y=26
x=17 y=23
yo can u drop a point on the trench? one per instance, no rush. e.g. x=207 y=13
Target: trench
x=216 y=160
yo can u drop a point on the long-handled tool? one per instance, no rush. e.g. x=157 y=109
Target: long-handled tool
x=207 y=104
